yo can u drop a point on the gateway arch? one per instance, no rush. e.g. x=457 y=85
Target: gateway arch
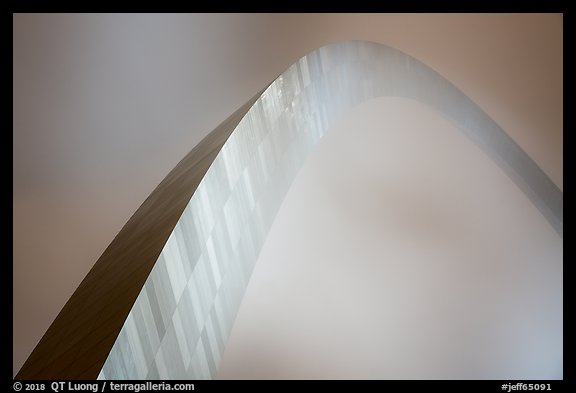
x=161 y=300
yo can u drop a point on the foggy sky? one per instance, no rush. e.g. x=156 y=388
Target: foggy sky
x=402 y=251
x=105 y=105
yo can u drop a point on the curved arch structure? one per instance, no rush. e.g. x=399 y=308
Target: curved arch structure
x=161 y=301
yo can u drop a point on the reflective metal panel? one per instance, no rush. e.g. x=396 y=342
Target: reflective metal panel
x=181 y=320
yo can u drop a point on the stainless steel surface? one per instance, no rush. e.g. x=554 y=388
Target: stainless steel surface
x=183 y=315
